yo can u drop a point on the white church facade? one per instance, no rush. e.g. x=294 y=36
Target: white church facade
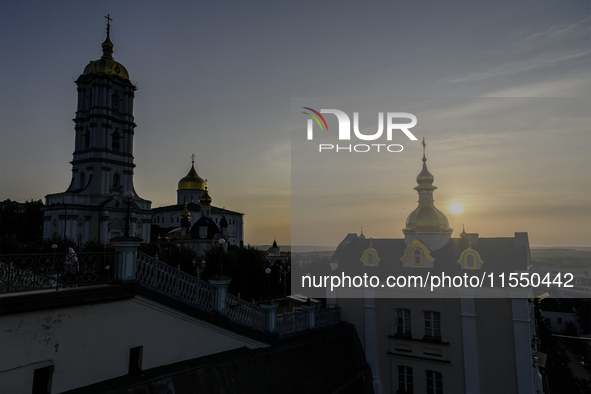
x=95 y=206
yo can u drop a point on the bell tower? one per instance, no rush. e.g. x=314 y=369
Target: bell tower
x=104 y=124
x=93 y=207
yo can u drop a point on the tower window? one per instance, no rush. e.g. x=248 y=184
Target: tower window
x=116 y=143
x=114 y=101
x=86 y=138
x=82 y=180
x=116 y=180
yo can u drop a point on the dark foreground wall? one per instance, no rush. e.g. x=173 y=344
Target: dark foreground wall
x=330 y=361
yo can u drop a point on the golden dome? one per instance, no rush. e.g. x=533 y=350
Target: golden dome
x=426 y=219
x=425 y=177
x=185 y=214
x=192 y=181
x=205 y=198
x=106 y=65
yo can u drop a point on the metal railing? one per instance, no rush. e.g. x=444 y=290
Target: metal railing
x=172 y=281
x=24 y=272
x=327 y=317
x=291 y=323
x=246 y=313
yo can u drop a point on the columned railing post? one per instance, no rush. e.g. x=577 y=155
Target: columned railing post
x=220 y=283
x=309 y=309
x=271 y=310
x=126 y=251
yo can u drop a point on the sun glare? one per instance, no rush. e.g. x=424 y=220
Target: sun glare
x=456 y=207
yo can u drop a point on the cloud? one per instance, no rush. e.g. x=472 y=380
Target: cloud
x=544 y=60
x=565 y=31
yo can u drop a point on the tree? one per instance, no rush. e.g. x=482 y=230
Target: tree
x=245 y=265
x=22 y=220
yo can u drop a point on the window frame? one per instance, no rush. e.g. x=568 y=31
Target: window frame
x=433 y=382
x=432 y=325
x=404 y=329
x=406 y=384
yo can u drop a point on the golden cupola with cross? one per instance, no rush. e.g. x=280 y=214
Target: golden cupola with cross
x=106 y=65
x=191 y=187
x=426 y=222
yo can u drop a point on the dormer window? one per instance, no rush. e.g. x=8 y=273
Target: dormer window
x=370 y=257
x=470 y=260
x=417 y=255
x=417 y=260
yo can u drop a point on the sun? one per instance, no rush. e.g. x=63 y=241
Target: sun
x=456 y=207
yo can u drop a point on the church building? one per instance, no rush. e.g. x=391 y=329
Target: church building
x=450 y=342
x=95 y=205
x=193 y=221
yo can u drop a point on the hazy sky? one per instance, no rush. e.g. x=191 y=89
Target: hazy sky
x=502 y=92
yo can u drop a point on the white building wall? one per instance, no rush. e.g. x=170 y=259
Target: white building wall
x=91 y=343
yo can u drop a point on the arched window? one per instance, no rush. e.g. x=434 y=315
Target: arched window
x=416 y=258
x=115 y=101
x=470 y=261
x=86 y=138
x=116 y=180
x=116 y=143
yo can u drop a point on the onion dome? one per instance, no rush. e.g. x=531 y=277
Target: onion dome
x=192 y=181
x=425 y=177
x=106 y=65
x=185 y=214
x=205 y=199
x=426 y=219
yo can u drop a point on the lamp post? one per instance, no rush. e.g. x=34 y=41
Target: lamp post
x=284 y=269
x=54 y=247
x=128 y=195
x=221 y=242
x=268 y=272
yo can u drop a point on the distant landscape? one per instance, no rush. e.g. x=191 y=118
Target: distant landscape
x=575 y=257
x=572 y=256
